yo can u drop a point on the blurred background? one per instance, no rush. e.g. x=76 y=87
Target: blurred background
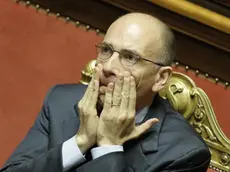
x=48 y=42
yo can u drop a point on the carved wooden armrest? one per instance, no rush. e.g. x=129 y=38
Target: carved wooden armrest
x=195 y=106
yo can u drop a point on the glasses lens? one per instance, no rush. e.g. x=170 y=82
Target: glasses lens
x=104 y=51
x=128 y=59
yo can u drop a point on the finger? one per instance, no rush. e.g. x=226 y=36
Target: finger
x=91 y=83
x=145 y=126
x=117 y=90
x=97 y=72
x=108 y=97
x=125 y=93
x=87 y=92
x=132 y=97
x=92 y=89
x=96 y=75
x=102 y=90
x=93 y=99
x=84 y=102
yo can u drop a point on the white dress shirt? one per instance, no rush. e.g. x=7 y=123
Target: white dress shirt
x=72 y=155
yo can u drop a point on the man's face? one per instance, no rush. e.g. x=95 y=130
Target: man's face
x=130 y=38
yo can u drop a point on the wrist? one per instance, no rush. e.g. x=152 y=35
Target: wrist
x=83 y=143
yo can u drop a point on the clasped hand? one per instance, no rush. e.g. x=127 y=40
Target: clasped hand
x=116 y=124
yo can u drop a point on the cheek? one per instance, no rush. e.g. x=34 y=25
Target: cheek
x=99 y=61
x=136 y=74
x=144 y=81
x=139 y=78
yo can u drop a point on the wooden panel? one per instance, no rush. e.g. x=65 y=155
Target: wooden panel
x=214 y=5
x=96 y=13
x=204 y=57
x=223 y=2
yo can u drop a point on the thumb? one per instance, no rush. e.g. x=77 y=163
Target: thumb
x=145 y=126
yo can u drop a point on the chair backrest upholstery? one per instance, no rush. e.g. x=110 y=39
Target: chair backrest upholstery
x=193 y=103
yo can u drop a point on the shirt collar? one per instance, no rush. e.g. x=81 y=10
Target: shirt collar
x=140 y=114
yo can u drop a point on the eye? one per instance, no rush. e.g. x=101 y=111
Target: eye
x=129 y=57
x=105 y=49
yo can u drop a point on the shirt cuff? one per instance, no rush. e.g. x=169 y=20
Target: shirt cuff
x=71 y=154
x=102 y=150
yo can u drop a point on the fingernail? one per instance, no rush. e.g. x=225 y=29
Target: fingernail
x=132 y=78
x=156 y=120
x=110 y=85
x=120 y=77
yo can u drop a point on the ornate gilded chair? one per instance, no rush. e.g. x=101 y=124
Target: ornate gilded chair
x=195 y=106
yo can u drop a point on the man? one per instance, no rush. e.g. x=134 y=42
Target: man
x=119 y=123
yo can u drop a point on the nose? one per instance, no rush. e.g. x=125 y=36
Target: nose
x=112 y=66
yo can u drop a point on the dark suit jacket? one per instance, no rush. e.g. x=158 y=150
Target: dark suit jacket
x=170 y=145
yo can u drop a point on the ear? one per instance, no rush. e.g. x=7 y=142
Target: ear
x=161 y=78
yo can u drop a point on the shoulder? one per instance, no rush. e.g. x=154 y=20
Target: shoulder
x=182 y=142
x=64 y=94
x=67 y=89
x=178 y=133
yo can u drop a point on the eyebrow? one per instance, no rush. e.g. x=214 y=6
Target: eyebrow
x=132 y=52
x=127 y=50
x=106 y=43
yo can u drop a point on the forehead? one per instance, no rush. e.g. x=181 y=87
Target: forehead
x=124 y=36
x=135 y=37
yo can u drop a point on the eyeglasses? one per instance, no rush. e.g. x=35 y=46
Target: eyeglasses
x=127 y=57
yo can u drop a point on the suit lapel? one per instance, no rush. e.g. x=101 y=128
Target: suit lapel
x=71 y=122
x=149 y=141
x=136 y=150
x=70 y=126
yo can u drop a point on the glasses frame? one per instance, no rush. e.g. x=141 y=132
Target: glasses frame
x=138 y=59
